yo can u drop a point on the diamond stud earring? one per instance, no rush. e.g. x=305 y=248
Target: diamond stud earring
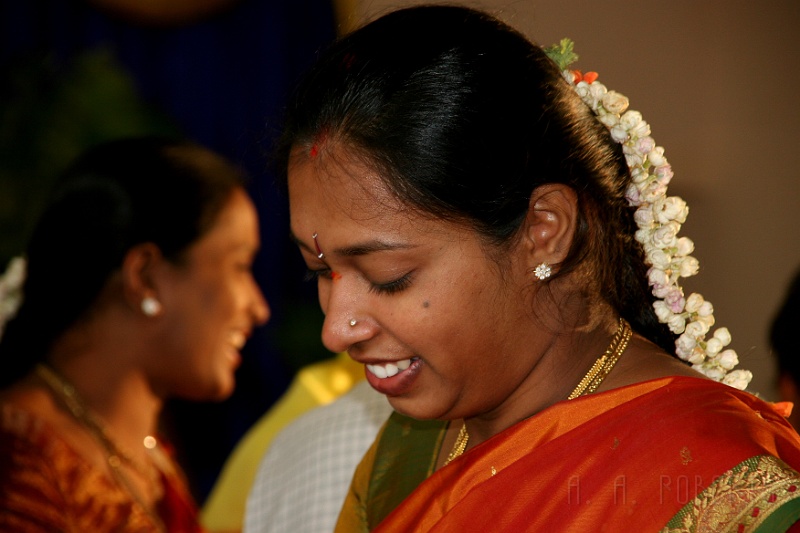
x=543 y=271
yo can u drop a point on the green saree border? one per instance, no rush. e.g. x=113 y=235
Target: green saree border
x=402 y=462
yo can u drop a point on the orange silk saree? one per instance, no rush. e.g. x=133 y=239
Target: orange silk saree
x=47 y=486
x=673 y=454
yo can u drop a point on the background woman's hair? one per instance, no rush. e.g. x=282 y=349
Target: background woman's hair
x=117 y=195
x=463 y=117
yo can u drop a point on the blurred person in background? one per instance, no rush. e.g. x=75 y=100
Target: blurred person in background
x=138 y=289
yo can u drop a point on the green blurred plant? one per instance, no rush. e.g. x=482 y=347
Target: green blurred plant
x=48 y=115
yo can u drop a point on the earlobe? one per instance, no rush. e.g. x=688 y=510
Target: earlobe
x=551 y=223
x=138 y=278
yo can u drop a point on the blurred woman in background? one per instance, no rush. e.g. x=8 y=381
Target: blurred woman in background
x=138 y=289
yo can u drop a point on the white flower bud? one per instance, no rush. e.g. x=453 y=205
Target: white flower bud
x=697 y=329
x=670 y=209
x=630 y=119
x=635 y=161
x=677 y=324
x=582 y=88
x=728 y=359
x=663 y=173
x=645 y=145
x=597 y=91
x=615 y=102
x=619 y=134
x=705 y=309
x=638 y=174
x=713 y=346
x=657 y=277
x=644 y=217
x=662 y=311
x=706 y=320
x=723 y=335
x=689 y=266
x=656 y=156
x=693 y=302
x=697 y=356
x=684 y=246
x=685 y=343
x=659 y=259
x=609 y=120
x=716 y=373
x=665 y=236
x=738 y=379
x=633 y=196
x=642 y=129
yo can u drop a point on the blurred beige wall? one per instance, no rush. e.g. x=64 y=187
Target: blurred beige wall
x=719 y=82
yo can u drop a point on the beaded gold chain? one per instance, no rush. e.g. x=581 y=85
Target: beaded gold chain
x=115 y=456
x=600 y=369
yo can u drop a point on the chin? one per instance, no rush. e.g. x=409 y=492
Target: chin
x=412 y=409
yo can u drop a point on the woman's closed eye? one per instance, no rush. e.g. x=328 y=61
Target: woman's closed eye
x=315 y=275
x=392 y=287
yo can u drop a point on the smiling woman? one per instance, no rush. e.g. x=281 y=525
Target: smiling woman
x=473 y=226
x=138 y=289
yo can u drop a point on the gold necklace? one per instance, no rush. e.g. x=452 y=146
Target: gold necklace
x=601 y=368
x=459 y=446
x=114 y=455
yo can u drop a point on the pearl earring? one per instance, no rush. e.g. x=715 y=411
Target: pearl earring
x=543 y=271
x=150 y=306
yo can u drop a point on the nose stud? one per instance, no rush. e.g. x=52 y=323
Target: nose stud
x=353 y=322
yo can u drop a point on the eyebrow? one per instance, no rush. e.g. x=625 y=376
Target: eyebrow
x=357 y=249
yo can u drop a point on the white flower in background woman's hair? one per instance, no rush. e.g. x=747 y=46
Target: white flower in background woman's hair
x=658 y=218
x=11 y=290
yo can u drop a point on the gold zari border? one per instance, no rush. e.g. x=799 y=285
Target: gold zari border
x=739 y=500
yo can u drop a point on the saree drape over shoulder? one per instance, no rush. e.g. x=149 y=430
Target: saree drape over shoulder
x=673 y=454
x=47 y=486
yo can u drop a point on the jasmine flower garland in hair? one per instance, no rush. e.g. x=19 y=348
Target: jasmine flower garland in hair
x=11 y=290
x=659 y=218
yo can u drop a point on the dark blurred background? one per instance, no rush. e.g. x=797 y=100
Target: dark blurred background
x=76 y=72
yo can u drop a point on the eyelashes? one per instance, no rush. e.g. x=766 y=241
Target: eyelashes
x=391 y=287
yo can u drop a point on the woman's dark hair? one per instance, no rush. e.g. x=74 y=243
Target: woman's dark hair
x=463 y=117
x=117 y=195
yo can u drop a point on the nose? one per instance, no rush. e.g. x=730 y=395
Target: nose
x=259 y=308
x=345 y=322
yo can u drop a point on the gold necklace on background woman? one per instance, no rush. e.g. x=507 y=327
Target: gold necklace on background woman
x=115 y=456
x=587 y=385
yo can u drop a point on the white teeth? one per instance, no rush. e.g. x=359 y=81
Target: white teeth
x=389 y=369
x=238 y=339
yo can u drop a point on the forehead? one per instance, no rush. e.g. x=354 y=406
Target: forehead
x=334 y=186
x=235 y=226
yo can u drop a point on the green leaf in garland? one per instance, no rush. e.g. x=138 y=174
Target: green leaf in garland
x=562 y=53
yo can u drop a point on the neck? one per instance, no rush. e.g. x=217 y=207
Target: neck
x=566 y=358
x=114 y=390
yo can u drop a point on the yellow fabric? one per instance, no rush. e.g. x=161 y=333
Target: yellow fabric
x=313 y=386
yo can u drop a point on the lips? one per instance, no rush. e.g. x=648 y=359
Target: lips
x=394 y=378
x=237 y=339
